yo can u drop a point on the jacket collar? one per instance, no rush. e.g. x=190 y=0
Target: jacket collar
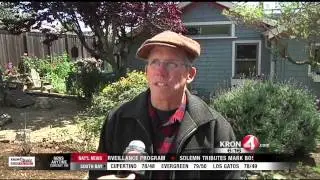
x=138 y=108
x=197 y=113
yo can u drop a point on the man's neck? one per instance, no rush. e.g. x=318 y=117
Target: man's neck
x=167 y=104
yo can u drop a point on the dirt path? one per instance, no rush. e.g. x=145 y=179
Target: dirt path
x=51 y=131
x=43 y=123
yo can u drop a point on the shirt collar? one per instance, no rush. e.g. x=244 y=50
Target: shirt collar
x=176 y=117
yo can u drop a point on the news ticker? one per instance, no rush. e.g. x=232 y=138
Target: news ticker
x=103 y=161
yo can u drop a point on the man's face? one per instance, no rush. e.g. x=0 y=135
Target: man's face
x=168 y=71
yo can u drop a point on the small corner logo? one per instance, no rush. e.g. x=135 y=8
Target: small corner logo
x=250 y=143
x=21 y=161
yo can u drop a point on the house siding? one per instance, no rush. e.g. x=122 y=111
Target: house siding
x=133 y=62
x=215 y=63
x=287 y=71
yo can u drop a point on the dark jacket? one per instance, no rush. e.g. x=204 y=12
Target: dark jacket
x=200 y=131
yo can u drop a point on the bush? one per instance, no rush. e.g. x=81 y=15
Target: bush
x=119 y=92
x=88 y=78
x=111 y=96
x=279 y=114
x=54 y=70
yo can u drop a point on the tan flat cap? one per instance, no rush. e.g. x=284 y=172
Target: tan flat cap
x=171 y=39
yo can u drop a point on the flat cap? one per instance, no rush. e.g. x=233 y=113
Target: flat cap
x=170 y=39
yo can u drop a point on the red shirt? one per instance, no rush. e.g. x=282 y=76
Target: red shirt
x=166 y=130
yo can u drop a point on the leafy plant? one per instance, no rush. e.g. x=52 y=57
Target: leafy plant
x=280 y=114
x=111 y=96
x=88 y=79
x=54 y=70
x=119 y=92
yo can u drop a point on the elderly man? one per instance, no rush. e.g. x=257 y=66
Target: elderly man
x=167 y=117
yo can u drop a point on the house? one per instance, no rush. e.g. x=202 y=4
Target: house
x=230 y=51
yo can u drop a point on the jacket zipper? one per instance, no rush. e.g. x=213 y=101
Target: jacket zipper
x=172 y=174
x=150 y=173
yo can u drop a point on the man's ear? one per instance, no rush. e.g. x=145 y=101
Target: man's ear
x=192 y=74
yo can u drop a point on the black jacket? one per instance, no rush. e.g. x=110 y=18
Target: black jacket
x=200 y=131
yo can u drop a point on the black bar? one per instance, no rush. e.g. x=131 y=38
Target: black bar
x=59 y=161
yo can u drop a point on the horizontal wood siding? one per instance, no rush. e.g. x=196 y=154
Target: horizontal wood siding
x=214 y=65
x=287 y=71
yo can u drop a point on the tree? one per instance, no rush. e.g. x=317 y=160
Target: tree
x=295 y=20
x=110 y=22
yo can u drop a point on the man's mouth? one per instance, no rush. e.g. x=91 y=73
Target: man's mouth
x=160 y=84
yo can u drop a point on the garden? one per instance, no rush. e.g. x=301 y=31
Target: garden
x=282 y=114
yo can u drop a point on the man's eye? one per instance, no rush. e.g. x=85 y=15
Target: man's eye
x=171 y=64
x=154 y=62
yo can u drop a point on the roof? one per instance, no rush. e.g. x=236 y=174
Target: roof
x=224 y=4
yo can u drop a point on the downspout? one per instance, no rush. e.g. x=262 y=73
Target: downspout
x=273 y=59
x=272 y=56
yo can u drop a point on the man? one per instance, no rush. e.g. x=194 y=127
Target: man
x=167 y=118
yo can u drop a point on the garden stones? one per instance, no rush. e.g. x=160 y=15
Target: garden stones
x=5 y=119
x=18 y=99
x=43 y=103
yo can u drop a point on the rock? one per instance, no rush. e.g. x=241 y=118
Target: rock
x=5 y=119
x=4 y=141
x=43 y=103
x=23 y=135
x=18 y=99
x=278 y=176
x=254 y=177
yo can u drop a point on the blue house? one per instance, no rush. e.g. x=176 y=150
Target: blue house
x=230 y=51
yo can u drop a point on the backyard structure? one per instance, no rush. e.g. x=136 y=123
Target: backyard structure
x=231 y=51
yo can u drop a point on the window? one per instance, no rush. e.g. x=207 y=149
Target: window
x=246 y=60
x=213 y=30
x=210 y=29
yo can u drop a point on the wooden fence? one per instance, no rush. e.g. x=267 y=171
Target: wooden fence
x=12 y=47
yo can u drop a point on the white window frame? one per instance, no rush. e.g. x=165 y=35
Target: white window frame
x=212 y=23
x=310 y=72
x=245 y=42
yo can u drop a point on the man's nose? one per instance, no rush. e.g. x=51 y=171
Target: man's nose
x=162 y=68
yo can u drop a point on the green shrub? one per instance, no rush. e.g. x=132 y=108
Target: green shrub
x=112 y=95
x=119 y=92
x=279 y=114
x=54 y=70
x=88 y=78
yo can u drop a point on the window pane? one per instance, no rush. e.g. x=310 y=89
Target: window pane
x=212 y=30
x=247 y=68
x=246 y=51
x=193 y=30
x=217 y=30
